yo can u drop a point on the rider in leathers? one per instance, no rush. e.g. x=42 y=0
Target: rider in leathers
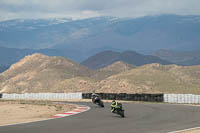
x=94 y=95
x=113 y=105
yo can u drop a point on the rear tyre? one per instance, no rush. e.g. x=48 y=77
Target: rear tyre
x=121 y=113
x=101 y=104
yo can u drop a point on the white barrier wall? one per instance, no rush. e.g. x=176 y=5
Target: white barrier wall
x=182 y=98
x=43 y=96
x=168 y=98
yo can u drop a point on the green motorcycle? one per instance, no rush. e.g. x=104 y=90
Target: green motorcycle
x=119 y=110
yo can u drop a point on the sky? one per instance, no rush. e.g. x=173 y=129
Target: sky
x=78 y=9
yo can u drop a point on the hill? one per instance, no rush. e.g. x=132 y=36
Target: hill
x=154 y=78
x=115 y=68
x=106 y=58
x=40 y=73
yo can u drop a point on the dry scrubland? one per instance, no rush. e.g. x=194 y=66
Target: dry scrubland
x=40 y=73
x=13 y=112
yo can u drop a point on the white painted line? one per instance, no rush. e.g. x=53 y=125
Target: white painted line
x=189 y=129
x=73 y=112
x=61 y=115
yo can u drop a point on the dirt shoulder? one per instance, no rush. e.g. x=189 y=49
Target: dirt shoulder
x=13 y=112
x=192 y=131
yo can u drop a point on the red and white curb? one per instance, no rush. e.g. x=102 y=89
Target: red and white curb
x=79 y=109
x=190 y=129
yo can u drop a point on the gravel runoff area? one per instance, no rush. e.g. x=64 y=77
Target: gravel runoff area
x=14 y=112
x=191 y=131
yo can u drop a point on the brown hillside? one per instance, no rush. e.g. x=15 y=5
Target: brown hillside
x=112 y=69
x=154 y=78
x=40 y=73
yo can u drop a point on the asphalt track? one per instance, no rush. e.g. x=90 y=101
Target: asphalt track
x=140 y=118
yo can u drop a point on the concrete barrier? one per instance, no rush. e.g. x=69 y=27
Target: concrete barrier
x=127 y=97
x=43 y=96
x=182 y=98
x=167 y=98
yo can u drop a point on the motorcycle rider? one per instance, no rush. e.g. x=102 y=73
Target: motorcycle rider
x=113 y=105
x=95 y=96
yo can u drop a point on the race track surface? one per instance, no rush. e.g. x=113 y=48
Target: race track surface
x=140 y=118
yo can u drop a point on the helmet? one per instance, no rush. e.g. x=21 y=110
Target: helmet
x=113 y=102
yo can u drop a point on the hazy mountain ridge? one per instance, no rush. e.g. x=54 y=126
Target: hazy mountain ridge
x=89 y=36
x=39 y=34
x=185 y=58
x=106 y=58
x=9 y=56
x=3 y=68
x=146 y=34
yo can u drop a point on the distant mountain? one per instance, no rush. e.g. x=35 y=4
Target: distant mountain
x=3 y=68
x=144 y=34
x=40 y=73
x=106 y=58
x=115 y=68
x=81 y=39
x=31 y=33
x=185 y=58
x=9 y=56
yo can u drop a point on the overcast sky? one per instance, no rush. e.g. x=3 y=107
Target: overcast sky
x=12 y=9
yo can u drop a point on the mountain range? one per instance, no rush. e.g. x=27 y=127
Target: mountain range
x=184 y=58
x=9 y=56
x=40 y=73
x=83 y=38
x=3 y=68
x=106 y=58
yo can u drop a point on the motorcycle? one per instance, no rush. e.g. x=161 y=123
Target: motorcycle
x=119 y=110
x=98 y=101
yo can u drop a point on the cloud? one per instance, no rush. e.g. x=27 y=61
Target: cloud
x=10 y=9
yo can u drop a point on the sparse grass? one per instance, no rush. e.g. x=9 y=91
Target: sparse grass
x=58 y=107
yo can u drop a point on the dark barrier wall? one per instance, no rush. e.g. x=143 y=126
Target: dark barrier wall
x=1 y=95
x=128 y=97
